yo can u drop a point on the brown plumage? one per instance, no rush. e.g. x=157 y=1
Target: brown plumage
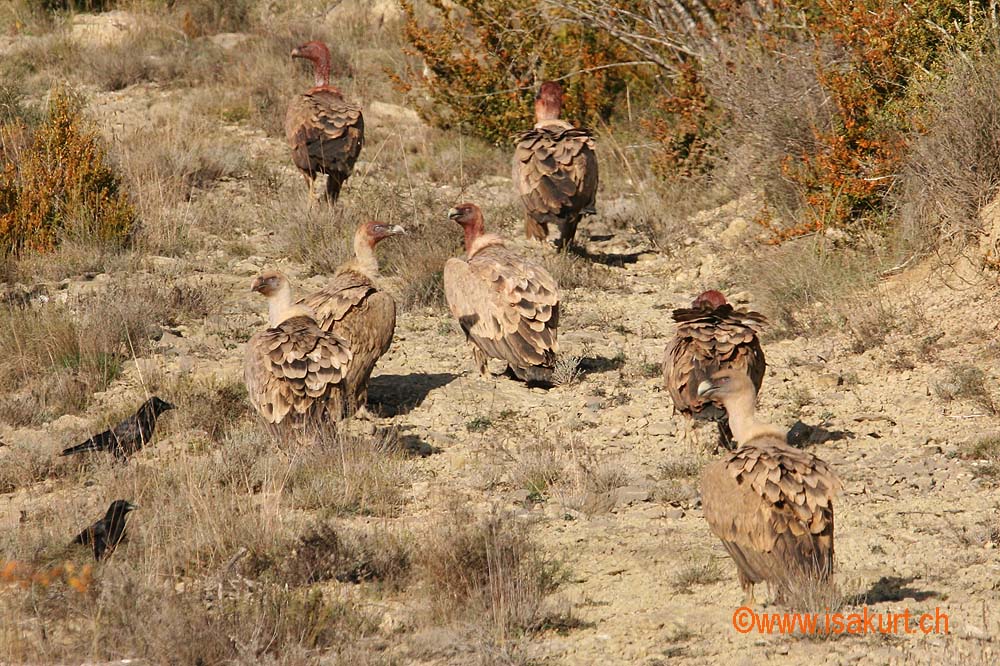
x=769 y=503
x=294 y=370
x=508 y=307
x=353 y=306
x=324 y=131
x=555 y=171
x=711 y=333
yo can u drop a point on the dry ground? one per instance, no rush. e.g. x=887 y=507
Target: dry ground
x=590 y=481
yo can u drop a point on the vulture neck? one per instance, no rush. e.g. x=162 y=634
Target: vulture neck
x=477 y=244
x=364 y=260
x=743 y=422
x=281 y=308
x=321 y=71
x=545 y=112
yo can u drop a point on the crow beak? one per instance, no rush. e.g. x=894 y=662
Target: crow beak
x=167 y=405
x=706 y=388
x=454 y=213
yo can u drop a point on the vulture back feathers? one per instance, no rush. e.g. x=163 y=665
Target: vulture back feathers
x=353 y=307
x=294 y=370
x=769 y=503
x=554 y=171
x=507 y=307
x=711 y=333
x=324 y=132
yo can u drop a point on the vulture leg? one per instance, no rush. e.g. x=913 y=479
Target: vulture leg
x=333 y=185
x=567 y=231
x=534 y=230
x=747 y=585
x=481 y=360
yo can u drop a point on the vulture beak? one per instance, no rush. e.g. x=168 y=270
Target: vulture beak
x=130 y=507
x=296 y=53
x=454 y=213
x=397 y=230
x=258 y=285
x=706 y=388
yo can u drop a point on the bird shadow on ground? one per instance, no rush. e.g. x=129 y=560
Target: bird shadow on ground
x=393 y=395
x=414 y=445
x=589 y=365
x=891 y=588
x=608 y=259
x=802 y=434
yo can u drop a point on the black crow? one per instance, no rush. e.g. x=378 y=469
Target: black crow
x=128 y=436
x=105 y=534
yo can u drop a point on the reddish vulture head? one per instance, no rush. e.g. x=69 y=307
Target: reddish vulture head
x=319 y=56
x=470 y=218
x=709 y=299
x=548 y=101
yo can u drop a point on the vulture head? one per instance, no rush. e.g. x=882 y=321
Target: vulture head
x=470 y=218
x=726 y=385
x=269 y=283
x=373 y=232
x=709 y=299
x=274 y=286
x=319 y=56
x=548 y=101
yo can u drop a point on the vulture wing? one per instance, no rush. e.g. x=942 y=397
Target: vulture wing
x=355 y=309
x=325 y=133
x=555 y=171
x=508 y=308
x=293 y=369
x=719 y=337
x=772 y=507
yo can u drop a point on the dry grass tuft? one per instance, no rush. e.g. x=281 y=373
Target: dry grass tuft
x=486 y=574
x=64 y=354
x=967 y=382
x=704 y=572
x=574 y=272
x=986 y=451
x=346 y=473
x=325 y=553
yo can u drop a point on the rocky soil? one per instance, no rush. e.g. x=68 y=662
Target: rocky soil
x=917 y=526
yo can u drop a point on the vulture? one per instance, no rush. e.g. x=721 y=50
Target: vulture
x=294 y=370
x=507 y=307
x=324 y=131
x=769 y=503
x=555 y=171
x=353 y=306
x=711 y=331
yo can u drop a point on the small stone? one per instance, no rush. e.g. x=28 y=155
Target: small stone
x=673 y=513
x=660 y=428
x=631 y=495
